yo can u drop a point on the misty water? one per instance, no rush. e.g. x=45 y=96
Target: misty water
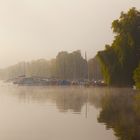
x=68 y=113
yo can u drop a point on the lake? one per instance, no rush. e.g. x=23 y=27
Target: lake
x=68 y=113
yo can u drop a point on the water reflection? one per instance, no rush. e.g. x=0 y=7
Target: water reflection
x=118 y=108
x=65 y=98
x=121 y=112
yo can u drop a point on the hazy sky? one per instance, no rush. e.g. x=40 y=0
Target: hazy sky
x=33 y=29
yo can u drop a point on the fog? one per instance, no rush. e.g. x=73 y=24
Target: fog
x=33 y=29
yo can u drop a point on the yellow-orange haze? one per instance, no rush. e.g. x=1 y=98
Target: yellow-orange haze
x=33 y=29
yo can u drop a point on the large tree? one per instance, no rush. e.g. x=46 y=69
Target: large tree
x=119 y=59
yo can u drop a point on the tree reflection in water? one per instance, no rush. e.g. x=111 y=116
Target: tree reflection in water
x=119 y=108
x=121 y=112
x=65 y=98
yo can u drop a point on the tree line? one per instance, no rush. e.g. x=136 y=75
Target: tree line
x=70 y=66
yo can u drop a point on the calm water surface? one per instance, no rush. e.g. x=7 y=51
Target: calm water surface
x=68 y=113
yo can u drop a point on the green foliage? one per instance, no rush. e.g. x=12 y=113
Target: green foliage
x=137 y=77
x=119 y=60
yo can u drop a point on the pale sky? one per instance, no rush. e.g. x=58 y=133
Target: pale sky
x=34 y=29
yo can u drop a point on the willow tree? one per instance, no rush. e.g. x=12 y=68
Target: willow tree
x=119 y=59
